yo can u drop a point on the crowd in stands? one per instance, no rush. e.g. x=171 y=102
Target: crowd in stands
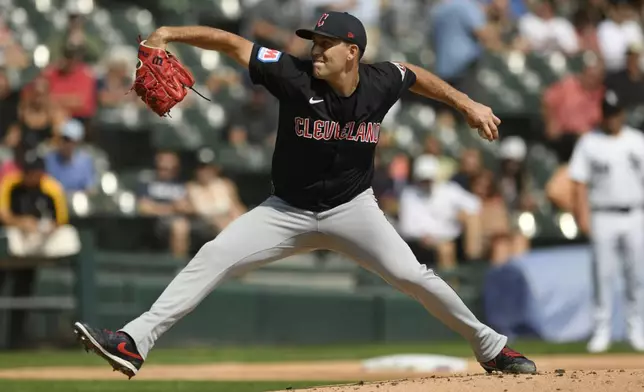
x=448 y=204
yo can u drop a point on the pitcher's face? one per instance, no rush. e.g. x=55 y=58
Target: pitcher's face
x=331 y=55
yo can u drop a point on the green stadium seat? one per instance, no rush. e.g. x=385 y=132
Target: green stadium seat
x=540 y=65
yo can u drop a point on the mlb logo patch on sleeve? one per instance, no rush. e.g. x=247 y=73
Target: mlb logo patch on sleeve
x=401 y=68
x=266 y=55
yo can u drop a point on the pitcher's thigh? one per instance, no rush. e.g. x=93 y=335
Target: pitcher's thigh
x=264 y=234
x=365 y=235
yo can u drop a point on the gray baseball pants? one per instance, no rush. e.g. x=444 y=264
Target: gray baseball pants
x=275 y=230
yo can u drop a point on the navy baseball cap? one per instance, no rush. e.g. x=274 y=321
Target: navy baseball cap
x=33 y=162
x=611 y=104
x=340 y=25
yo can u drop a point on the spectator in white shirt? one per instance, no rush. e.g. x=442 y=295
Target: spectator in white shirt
x=545 y=32
x=619 y=31
x=433 y=215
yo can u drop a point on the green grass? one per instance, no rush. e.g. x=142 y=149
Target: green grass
x=77 y=357
x=151 y=386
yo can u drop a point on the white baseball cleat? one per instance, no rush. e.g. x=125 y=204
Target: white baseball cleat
x=636 y=342
x=599 y=343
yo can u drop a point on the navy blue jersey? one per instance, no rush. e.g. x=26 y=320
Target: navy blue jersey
x=326 y=143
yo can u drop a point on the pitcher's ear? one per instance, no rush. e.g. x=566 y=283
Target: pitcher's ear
x=354 y=52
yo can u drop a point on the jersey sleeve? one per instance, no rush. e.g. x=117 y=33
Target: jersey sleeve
x=394 y=78
x=279 y=72
x=579 y=167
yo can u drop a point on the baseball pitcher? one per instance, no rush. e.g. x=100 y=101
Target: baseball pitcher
x=330 y=112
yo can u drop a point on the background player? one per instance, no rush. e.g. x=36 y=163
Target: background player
x=608 y=174
x=330 y=113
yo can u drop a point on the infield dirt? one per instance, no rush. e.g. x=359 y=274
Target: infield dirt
x=623 y=373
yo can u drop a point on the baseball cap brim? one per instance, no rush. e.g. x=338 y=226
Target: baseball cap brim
x=308 y=34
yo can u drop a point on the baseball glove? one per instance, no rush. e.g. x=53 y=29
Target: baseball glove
x=161 y=80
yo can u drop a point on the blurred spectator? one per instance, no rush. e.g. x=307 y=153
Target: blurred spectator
x=34 y=208
x=459 y=34
x=515 y=188
x=214 y=198
x=618 y=32
x=470 y=166
x=114 y=86
x=382 y=182
x=75 y=36
x=573 y=105
x=164 y=196
x=34 y=211
x=11 y=165
x=258 y=116
x=500 y=18
x=73 y=84
x=223 y=78
x=559 y=188
x=514 y=182
x=9 y=99
x=518 y=8
x=12 y=55
x=272 y=23
x=39 y=118
x=597 y=10
x=71 y=166
x=384 y=189
x=495 y=236
x=546 y=32
x=446 y=166
x=432 y=216
x=399 y=170
x=586 y=31
x=239 y=149
x=629 y=83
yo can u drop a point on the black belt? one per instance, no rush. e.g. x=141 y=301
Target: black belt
x=616 y=209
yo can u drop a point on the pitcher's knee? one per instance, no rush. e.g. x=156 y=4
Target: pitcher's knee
x=410 y=280
x=209 y=248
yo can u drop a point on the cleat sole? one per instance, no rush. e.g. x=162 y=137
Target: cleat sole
x=90 y=344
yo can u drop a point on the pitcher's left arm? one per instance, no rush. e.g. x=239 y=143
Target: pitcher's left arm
x=478 y=116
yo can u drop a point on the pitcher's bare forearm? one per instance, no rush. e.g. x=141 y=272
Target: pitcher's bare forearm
x=478 y=116
x=431 y=86
x=209 y=38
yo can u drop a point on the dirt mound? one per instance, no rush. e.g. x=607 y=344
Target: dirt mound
x=577 y=381
x=602 y=373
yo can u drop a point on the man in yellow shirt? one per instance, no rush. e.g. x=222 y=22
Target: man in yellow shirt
x=34 y=211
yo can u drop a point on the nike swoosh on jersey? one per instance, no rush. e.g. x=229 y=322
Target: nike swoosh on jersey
x=314 y=101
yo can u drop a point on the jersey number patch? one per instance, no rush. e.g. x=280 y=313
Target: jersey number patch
x=266 y=55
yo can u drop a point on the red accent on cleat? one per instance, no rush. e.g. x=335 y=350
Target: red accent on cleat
x=123 y=350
